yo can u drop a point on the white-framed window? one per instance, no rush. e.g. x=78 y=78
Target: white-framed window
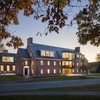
x=26 y=62
x=48 y=71
x=32 y=71
x=13 y=68
x=8 y=68
x=73 y=70
x=7 y=59
x=59 y=62
x=48 y=62
x=51 y=54
x=59 y=70
x=54 y=71
x=32 y=62
x=77 y=70
x=41 y=62
x=47 y=53
x=54 y=63
x=42 y=52
x=41 y=71
x=2 y=68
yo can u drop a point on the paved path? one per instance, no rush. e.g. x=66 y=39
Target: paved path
x=96 y=93
x=37 y=85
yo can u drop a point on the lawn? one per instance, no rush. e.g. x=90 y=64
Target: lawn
x=50 y=97
x=9 y=78
x=94 y=74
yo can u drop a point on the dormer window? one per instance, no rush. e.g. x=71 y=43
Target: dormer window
x=46 y=53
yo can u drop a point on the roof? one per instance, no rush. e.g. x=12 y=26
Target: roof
x=57 y=50
x=7 y=55
x=24 y=53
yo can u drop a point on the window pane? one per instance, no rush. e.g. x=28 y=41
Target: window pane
x=42 y=52
x=54 y=71
x=2 y=68
x=48 y=62
x=54 y=63
x=48 y=71
x=13 y=67
x=60 y=63
x=32 y=62
x=47 y=53
x=41 y=62
x=59 y=70
x=7 y=59
x=41 y=71
x=32 y=71
x=8 y=68
x=51 y=54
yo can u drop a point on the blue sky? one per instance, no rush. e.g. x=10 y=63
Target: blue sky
x=66 y=38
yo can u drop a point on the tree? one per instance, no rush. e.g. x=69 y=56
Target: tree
x=98 y=60
x=2 y=47
x=52 y=12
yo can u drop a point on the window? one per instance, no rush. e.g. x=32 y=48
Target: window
x=32 y=62
x=41 y=62
x=42 y=52
x=30 y=54
x=73 y=70
x=48 y=71
x=54 y=71
x=60 y=63
x=7 y=59
x=77 y=70
x=8 y=68
x=41 y=71
x=48 y=62
x=47 y=53
x=26 y=62
x=51 y=54
x=67 y=63
x=2 y=68
x=59 y=70
x=32 y=71
x=54 y=63
x=13 y=68
x=77 y=63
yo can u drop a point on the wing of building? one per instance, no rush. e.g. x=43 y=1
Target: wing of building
x=44 y=60
x=7 y=62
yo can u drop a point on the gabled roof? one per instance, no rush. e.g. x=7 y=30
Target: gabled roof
x=57 y=50
x=7 y=55
x=24 y=53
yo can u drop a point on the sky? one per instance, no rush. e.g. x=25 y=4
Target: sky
x=28 y=27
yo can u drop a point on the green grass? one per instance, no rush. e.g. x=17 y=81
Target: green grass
x=94 y=74
x=50 y=97
x=9 y=78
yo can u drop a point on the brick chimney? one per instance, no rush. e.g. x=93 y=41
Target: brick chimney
x=77 y=49
x=29 y=41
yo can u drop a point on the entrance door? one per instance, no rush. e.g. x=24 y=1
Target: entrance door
x=26 y=71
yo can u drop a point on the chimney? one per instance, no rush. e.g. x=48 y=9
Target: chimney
x=77 y=49
x=29 y=41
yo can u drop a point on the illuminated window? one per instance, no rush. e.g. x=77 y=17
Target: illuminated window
x=77 y=64
x=32 y=62
x=7 y=59
x=48 y=62
x=2 y=68
x=54 y=63
x=59 y=70
x=54 y=71
x=42 y=52
x=77 y=70
x=32 y=71
x=8 y=68
x=41 y=62
x=41 y=71
x=60 y=63
x=51 y=54
x=73 y=70
x=65 y=55
x=47 y=53
x=13 y=68
x=67 y=63
x=48 y=71
x=26 y=62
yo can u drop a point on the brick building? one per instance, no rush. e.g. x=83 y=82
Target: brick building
x=44 y=60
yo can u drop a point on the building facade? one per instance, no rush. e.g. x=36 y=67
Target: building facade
x=7 y=62
x=44 y=60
